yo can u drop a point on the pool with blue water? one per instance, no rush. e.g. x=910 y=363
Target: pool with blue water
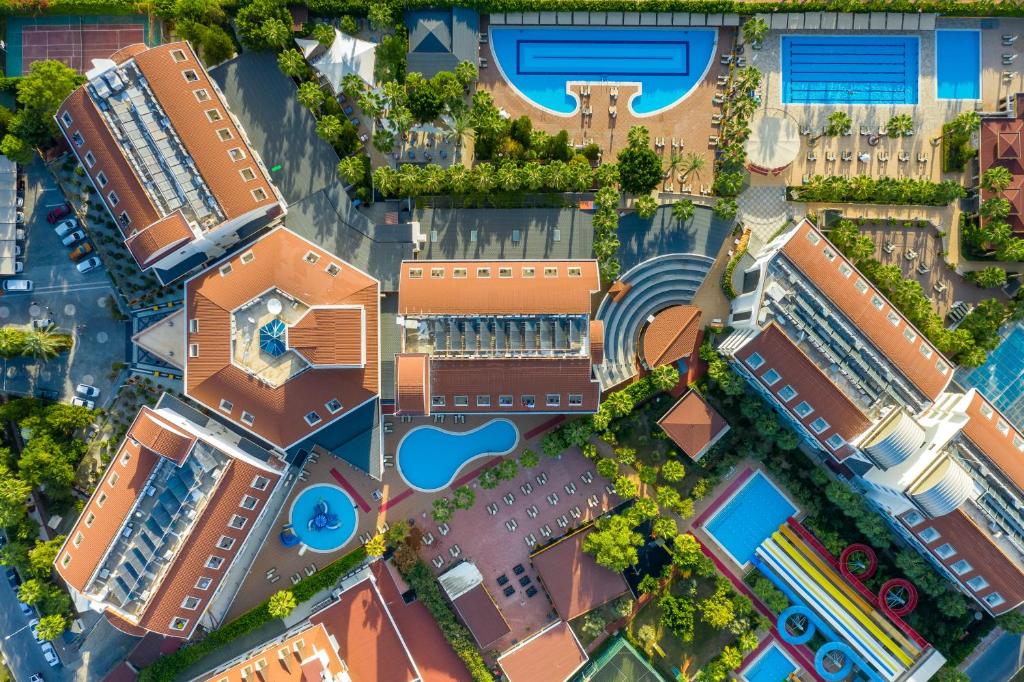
x=958 y=64
x=771 y=666
x=540 y=63
x=848 y=69
x=753 y=513
x=429 y=458
x=324 y=517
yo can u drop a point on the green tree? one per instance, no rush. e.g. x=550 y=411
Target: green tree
x=259 y=24
x=1011 y=622
x=668 y=497
x=528 y=459
x=717 y=611
x=14 y=494
x=639 y=165
x=773 y=597
x=16 y=149
x=283 y=602
x=381 y=15
x=644 y=509
x=52 y=626
x=64 y=420
x=39 y=93
x=664 y=527
x=347 y=23
x=726 y=208
x=425 y=99
x=692 y=164
x=649 y=585
x=951 y=604
x=996 y=179
x=995 y=208
x=755 y=30
x=949 y=673
x=647 y=636
x=354 y=169
x=625 y=487
x=593 y=624
x=646 y=207
x=732 y=658
x=665 y=377
x=203 y=11
x=33 y=591
x=329 y=128
x=839 y=123
x=729 y=183
x=311 y=96
x=608 y=468
x=466 y=73
x=677 y=615
x=47 y=462
x=442 y=509
x=673 y=471
x=292 y=63
x=683 y=210
x=989 y=277
x=375 y=547
x=613 y=543
x=42 y=556
x=686 y=552
x=747 y=641
x=12 y=343
x=463 y=497
x=900 y=125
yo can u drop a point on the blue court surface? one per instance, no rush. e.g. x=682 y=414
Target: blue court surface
x=754 y=512
x=849 y=69
x=540 y=62
x=958 y=64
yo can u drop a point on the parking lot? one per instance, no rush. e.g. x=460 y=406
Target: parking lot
x=22 y=653
x=76 y=303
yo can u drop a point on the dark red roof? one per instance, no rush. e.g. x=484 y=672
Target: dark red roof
x=573 y=579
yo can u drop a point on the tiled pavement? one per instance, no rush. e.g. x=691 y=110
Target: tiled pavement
x=763 y=210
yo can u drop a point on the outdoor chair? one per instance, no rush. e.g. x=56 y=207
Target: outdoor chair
x=519 y=569
x=502 y=580
x=531 y=591
x=509 y=591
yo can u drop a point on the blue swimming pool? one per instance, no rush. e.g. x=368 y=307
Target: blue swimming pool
x=958 y=64
x=849 y=69
x=541 y=62
x=429 y=457
x=771 y=666
x=324 y=517
x=754 y=512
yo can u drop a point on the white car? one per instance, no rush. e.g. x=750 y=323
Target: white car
x=36 y=677
x=76 y=236
x=83 y=402
x=50 y=654
x=19 y=267
x=17 y=285
x=26 y=609
x=34 y=625
x=87 y=391
x=88 y=265
x=65 y=227
x=19 y=217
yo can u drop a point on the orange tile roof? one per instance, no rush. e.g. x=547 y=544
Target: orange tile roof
x=514 y=294
x=368 y=640
x=998 y=445
x=481 y=616
x=278 y=259
x=811 y=384
x=1000 y=145
x=156 y=240
x=672 y=335
x=330 y=336
x=515 y=377
x=597 y=341
x=302 y=657
x=986 y=559
x=930 y=374
x=199 y=135
x=412 y=383
x=693 y=425
x=551 y=655
x=573 y=579
x=155 y=433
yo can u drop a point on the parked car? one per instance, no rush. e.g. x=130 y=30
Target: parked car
x=83 y=402
x=19 y=217
x=65 y=227
x=56 y=214
x=50 y=654
x=19 y=267
x=17 y=250
x=42 y=323
x=27 y=610
x=36 y=677
x=76 y=236
x=33 y=625
x=13 y=579
x=17 y=285
x=19 y=234
x=87 y=391
x=88 y=265
x=80 y=251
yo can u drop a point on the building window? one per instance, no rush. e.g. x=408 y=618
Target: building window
x=771 y=377
x=77 y=138
x=225 y=270
x=214 y=561
x=312 y=418
x=529 y=271
x=236 y=153
x=114 y=199
x=845 y=270
x=193 y=350
x=504 y=401
x=575 y=271
x=66 y=118
x=550 y=272
x=178 y=623
x=483 y=401
x=312 y=258
x=819 y=425
x=787 y=393
x=861 y=285
x=483 y=273
x=977 y=583
x=258 y=194
x=191 y=603
x=912 y=518
x=248 y=502
x=247 y=418
x=247 y=257
x=945 y=551
x=755 y=360
x=65 y=560
x=813 y=237
x=333 y=269
x=415 y=273
x=893 y=318
x=461 y=401
x=986 y=411
x=203 y=583
x=201 y=95
x=237 y=522
x=835 y=441
x=553 y=400
x=78 y=539
x=529 y=401
x=333 y=405
x=226 y=405
x=505 y=273
x=829 y=253
x=89 y=518
x=101 y=179
x=941 y=366
x=436 y=273
x=929 y=534
x=125 y=219
x=225 y=542
x=225 y=134
x=460 y=273
x=101 y=499
x=260 y=483
x=90 y=160
x=877 y=302
x=178 y=55
x=190 y=75
x=1003 y=427
x=926 y=351
x=575 y=399
x=994 y=599
x=247 y=174
x=114 y=478
x=909 y=334
x=213 y=115
x=437 y=401
x=803 y=409
x=961 y=567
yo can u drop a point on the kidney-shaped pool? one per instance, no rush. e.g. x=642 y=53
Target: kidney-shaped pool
x=429 y=457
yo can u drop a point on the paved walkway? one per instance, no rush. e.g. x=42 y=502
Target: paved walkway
x=763 y=210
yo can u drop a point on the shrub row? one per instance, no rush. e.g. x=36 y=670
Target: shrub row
x=52 y=7
x=865 y=189
x=169 y=667
x=741 y=249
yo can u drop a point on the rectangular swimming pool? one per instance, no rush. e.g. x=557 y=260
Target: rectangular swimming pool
x=849 y=69
x=958 y=64
x=754 y=512
x=771 y=666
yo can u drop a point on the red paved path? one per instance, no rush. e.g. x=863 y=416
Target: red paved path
x=350 y=490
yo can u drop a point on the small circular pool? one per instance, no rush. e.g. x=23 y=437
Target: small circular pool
x=324 y=517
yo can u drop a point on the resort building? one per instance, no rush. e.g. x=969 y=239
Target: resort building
x=464 y=586
x=1001 y=145
x=282 y=341
x=861 y=385
x=308 y=654
x=170 y=162
x=552 y=655
x=439 y=39
x=497 y=336
x=573 y=579
x=693 y=425
x=163 y=541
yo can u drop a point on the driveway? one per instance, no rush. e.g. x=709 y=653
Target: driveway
x=999 y=662
x=76 y=303
x=20 y=649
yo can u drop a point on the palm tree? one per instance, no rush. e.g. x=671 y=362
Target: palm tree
x=694 y=165
x=409 y=180
x=900 y=125
x=638 y=136
x=673 y=164
x=755 y=31
x=352 y=86
x=385 y=179
x=996 y=179
x=963 y=125
x=292 y=63
x=352 y=170
x=433 y=179
x=484 y=178
x=329 y=128
x=12 y=342
x=996 y=208
x=311 y=96
x=509 y=178
x=839 y=123
x=44 y=344
x=683 y=210
x=533 y=176
x=458 y=127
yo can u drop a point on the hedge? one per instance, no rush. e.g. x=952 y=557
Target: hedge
x=58 y=7
x=169 y=667
x=865 y=189
x=741 y=249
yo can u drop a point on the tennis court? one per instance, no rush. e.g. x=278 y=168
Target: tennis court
x=618 y=662
x=76 y=41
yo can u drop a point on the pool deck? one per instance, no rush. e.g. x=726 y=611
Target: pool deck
x=689 y=121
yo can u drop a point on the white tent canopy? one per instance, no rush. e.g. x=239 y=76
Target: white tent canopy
x=346 y=55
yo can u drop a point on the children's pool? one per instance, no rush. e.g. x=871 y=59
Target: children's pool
x=753 y=513
x=958 y=64
x=771 y=666
x=429 y=457
x=324 y=517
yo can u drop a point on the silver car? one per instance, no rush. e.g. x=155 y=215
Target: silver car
x=87 y=391
x=50 y=654
x=65 y=227
x=84 y=402
x=88 y=265
x=76 y=236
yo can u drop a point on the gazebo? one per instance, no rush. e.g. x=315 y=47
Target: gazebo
x=773 y=144
x=345 y=55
